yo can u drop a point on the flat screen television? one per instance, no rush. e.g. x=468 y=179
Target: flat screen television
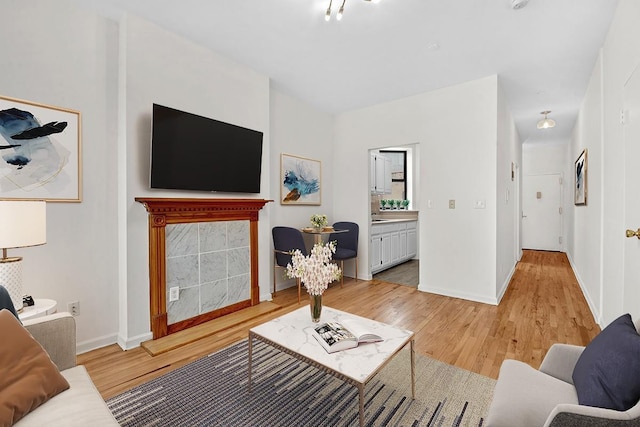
x=191 y=152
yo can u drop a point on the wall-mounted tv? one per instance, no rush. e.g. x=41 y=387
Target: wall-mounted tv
x=191 y=152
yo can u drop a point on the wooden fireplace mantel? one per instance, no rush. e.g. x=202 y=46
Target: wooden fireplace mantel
x=164 y=211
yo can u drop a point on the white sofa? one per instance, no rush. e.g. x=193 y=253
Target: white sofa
x=81 y=404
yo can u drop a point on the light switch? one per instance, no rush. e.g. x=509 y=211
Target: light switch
x=452 y=204
x=480 y=204
x=539 y=195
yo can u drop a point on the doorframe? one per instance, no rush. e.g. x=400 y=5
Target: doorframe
x=562 y=243
x=518 y=213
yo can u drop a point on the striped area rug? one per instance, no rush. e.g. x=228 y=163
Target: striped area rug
x=213 y=391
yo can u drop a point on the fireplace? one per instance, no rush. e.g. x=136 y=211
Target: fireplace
x=205 y=252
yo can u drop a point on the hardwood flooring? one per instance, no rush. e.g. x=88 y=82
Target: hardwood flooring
x=406 y=273
x=543 y=305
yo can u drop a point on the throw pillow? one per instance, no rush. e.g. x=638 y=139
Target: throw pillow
x=28 y=377
x=607 y=374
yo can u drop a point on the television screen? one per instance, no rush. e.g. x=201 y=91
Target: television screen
x=191 y=152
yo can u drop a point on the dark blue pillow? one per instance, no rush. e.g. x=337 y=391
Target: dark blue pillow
x=607 y=374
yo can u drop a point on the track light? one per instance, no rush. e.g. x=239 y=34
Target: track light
x=327 y=14
x=341 y=10
x=546 y=123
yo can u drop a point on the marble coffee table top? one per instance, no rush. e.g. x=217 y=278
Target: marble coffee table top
x=292 y=331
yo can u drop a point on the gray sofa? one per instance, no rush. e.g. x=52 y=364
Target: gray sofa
x=81 y=404
x=524 y=396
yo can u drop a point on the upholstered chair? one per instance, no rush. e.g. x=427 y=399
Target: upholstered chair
x=346 y=244
x=285 y=240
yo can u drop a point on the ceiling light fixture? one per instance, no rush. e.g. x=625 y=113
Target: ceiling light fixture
x=546 y=123
x=341 y=10
x=327 y=15
x=518 y=4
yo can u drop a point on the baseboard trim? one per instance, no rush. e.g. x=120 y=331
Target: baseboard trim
x=597 y=317
x=461 y=295
x=134 y=342
x=93 y=344
x=505 y=284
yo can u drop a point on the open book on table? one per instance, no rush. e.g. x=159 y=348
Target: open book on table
x=348 y=333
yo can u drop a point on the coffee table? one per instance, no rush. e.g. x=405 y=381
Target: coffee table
x=291 y=334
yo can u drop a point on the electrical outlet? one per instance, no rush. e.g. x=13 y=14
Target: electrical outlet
x=74 y=308
x=452 y=204
x=174 y=293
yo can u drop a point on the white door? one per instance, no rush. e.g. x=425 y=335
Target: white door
x=632 y=192
x=541 y=212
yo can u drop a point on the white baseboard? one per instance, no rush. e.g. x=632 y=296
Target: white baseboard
x=133 y=342
x=85 y=346
x=597 y=317
x=505 y=284
x=462 y=295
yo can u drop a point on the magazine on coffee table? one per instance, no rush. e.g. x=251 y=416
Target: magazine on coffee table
x=348 y=333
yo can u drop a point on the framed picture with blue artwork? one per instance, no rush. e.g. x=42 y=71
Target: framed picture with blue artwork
x=300 y=180
x=581 y=179
x=40 y=152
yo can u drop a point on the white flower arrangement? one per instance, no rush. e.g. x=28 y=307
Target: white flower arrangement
x=315 y=271
x=318 y=220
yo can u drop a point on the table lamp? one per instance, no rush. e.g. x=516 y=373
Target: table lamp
x=22 y=223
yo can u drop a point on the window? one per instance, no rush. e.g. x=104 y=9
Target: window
x=398 y=173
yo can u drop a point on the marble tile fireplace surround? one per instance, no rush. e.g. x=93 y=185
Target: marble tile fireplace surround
x=208 y=249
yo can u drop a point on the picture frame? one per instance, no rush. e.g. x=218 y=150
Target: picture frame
x=40 y=152
x=300 y=180
x=580 y=179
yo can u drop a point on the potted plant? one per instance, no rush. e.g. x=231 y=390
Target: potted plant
x=405 y=204
x=318 y=221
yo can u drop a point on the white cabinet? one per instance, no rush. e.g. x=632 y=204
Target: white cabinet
x=412 y=239
x=392 y=244
x=379 y=174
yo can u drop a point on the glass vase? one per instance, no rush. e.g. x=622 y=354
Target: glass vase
x=315 y=305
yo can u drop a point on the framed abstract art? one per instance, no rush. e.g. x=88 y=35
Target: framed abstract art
x=40 y=152
x=580 y=175
x=300 y=180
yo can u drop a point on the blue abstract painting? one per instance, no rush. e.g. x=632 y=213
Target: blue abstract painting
x=300 y=181
x=39 y=150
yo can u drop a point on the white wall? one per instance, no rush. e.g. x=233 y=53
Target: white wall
x=584 y=249
x=596 y=247
x=621 y=53
x=509 y=152
x=57 y=54
x=455 y=128
x=164 y=68
x=300 y=130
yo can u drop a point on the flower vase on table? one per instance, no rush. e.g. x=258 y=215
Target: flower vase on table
x=315 y=306
x=315 y=271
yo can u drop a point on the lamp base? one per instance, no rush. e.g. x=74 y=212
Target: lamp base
x=11 y=279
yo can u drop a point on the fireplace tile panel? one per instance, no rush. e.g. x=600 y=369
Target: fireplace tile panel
x=181 y=239
x=214 y=295
x=211 y=263
x=213 y=266
x=182 y=271
x=187 y=306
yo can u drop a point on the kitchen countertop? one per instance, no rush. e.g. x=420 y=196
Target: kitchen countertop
x=388 y=221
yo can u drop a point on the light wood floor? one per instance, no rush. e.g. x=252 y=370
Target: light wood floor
x=543 y=305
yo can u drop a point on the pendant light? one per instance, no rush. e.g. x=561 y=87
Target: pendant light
x=546 y=123
x=327 y=14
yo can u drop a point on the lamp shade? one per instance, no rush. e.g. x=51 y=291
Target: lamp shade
x=22 y=223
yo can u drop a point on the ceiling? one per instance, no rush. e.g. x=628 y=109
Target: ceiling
x=544 y=53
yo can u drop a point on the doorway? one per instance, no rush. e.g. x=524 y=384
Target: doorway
x=542 y=212
x=631 y=131
x=393 y=231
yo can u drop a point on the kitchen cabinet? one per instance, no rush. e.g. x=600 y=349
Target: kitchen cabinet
x=380 y=174
x=392 y=243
